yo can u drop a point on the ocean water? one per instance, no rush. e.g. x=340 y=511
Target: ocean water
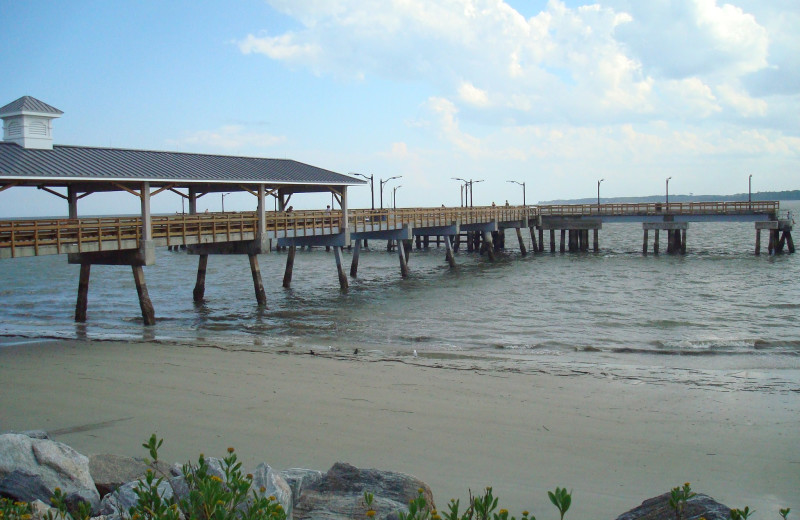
x=718 y=316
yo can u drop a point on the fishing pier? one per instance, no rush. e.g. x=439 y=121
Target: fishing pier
x=28 y=159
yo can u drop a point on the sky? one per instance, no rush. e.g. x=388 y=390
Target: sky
x=557 y=94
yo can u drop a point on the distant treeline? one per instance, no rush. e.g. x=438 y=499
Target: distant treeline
x=738 y=197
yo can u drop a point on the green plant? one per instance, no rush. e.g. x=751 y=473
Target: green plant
x=418 y=509
x=561 y=499
x=210 y=497
x=82 y=511
x=11 y=510
x=368 y=499
x=678 y=497
x=784 y=512
x=481 y=508
x=741 y=514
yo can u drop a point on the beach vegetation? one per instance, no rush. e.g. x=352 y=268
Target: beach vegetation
x=741 y=514
x=209 y=497
x=678 y=497
x=14 y=510
x=561 y=499
x=784 y=512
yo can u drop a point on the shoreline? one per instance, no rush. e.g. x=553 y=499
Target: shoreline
x=613 y=441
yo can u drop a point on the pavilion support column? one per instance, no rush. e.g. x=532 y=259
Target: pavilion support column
x=343 y=283
x=148 y=313
x=401 y=254
x=287 y=275
x=192 y=200
x=72 y=201
x=487 y=240
x=261 y=296
x=200 y=286
x=655 y=241
x=522 y=249
x=83 y=293
x=354 y=263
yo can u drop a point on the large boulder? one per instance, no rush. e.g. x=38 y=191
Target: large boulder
x=698 y=506
x=339 y=494
x=111 y=471
x=32 y=469
x=299 y=479
x=274 y=485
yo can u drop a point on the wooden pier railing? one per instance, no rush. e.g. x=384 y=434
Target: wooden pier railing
x=60 y=236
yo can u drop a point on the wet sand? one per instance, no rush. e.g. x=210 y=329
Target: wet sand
x=614 y=442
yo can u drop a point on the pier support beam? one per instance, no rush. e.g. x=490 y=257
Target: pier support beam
x=534 y=246
x=488 y=245
x=401 y=254
x=522 y=249
x=676 y=236
x=644 y=243
x=354 y=263
x=148 y=313
x=337 y=253
x=200 y=285
x=83 y=293
x=261 y=296
x=596 y=238
x=287 y=275
x=451 y=260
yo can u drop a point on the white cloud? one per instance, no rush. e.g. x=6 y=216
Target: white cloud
x=229 y=137
x=472 y=95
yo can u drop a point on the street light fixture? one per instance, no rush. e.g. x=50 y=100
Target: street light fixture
x=383 y=183
x=223 y=201
x=668 y=178
x=371 y=180
x=394 y=195
x=523 y=191
x=470 y=190
x=598 y=191
x=462 y=186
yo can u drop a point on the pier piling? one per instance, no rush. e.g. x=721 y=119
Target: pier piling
x=261 y=296
x=287 y=275
x=451 y=260
x=522 y=249
x=343 y=283
x=354 y=263
x=200 y=284
x=148 y=313
x=83 y=293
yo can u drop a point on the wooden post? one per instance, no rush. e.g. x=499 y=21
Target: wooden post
x=451 y=260
x=563 y=237
x=772 y=241
x=670 y=242
x=287 y=275
x=758 y=241
x=401 y=254
x=541 y=240
x=487 y=240
x=644 y=243
x=655 y=241
x=83 y=293
x=789 y=242
x=354 y=263
x=343 y=283
x=552 y=240
x=200 y=285
x=261 y=296
x=596 y=238
x=781 y=242
x=683 y=241
x=148 y=313
x=534 y=246
x=521 y=243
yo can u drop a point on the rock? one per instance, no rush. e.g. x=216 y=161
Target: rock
x=32 y=469
x=339 y=494
x=658 y=508
x=298 y=479
x=40 y=510
x=118 y=502
x=33 y=434
x=112 y=471
x=274 y=485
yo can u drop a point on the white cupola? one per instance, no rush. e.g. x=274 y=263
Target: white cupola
x=29 y=123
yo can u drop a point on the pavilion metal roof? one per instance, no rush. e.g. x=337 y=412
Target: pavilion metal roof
x=69 y=164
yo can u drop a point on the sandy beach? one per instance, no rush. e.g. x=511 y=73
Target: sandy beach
x=614 y=442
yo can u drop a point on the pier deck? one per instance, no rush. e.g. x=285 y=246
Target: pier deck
x=36 y=237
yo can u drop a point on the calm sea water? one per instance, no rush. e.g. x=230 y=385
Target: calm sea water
x=718 y=316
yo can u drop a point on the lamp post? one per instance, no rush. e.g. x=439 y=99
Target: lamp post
x=383 y=183
x=750 y=188
x=223 y=201
x=465 y=185
x=598 y=191
x=394 y=195
x=668 y=178
x=371 y=180
x=471 y=182
x=523 y=191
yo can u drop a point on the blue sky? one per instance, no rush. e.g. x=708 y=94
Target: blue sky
x=555 y=94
